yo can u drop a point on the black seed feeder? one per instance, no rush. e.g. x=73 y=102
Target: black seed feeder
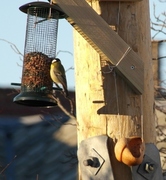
x=39 y=50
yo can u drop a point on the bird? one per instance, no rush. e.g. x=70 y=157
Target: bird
x=58 y=76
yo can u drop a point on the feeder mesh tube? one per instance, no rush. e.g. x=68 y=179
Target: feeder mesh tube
x=41 y=32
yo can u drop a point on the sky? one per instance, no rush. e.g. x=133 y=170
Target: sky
x=13 y=28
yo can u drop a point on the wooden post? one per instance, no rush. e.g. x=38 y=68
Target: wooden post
x=105 y=103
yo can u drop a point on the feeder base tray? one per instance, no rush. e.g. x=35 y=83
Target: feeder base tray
x=35 y=99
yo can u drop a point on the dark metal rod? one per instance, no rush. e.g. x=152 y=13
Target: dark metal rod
x=19 y=84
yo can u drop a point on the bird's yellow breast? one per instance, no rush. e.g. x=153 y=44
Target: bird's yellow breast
x=53 y=75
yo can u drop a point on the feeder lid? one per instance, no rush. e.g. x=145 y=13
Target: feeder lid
x=24 y=8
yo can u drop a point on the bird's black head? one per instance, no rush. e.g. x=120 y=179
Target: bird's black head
x=56 y=60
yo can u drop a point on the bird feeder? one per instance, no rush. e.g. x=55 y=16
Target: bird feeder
x=39 y=50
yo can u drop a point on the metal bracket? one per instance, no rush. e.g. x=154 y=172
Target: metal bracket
x=94 y=159
x=150 y=168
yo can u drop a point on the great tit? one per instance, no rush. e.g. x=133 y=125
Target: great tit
x=57 y=73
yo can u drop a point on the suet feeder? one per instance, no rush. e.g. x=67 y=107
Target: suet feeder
x=39 y=50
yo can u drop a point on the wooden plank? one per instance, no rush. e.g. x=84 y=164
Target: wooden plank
x=105 y=41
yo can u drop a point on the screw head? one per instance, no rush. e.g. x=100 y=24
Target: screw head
x=92 y=161
x=88 y=162
x=132 y=67
x=149 y=167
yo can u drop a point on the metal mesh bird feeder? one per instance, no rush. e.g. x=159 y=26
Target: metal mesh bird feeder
x=39 y=50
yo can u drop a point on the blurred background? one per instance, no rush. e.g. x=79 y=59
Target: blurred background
x=39 y=144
